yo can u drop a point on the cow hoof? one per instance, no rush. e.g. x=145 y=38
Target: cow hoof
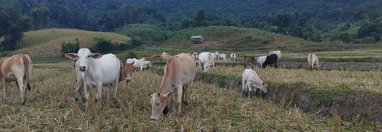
x=96 y=100
x=185 y=103
x=23 y=103
x=76 y=99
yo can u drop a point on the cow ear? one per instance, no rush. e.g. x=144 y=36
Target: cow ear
x=96 y=55
x=72 y=56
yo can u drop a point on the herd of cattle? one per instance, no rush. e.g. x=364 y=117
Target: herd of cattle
x=96 y=70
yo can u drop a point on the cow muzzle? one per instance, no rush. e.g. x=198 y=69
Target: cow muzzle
x=128 y=80
x=82 y=68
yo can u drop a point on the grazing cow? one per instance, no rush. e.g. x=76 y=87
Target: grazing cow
x=271 y=60
x=95 y=70
x=207 y=59
x=223 y=57
x=165 y=56
x=313 y=61
x=16 y=68
x=126 y=72
x=179 y=71
x=232 y=56
x=249 y=60
x=195 y=56
x=216 y=55
x=139 y=64
x=260 y=60
x=277 y=52
x=252 y=82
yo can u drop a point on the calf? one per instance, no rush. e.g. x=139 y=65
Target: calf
x=139 y=64
x=179 y=71
x=251 y=82
x=16 y=68
x=271 y=60
x=207 y=59
x=313 y=61
x=94 y=69
x=232 y=56
x=127 y=70
x=249 y=60
x=216 y=55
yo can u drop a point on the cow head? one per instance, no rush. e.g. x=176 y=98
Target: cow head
x=126 y=72
x=158 y=103
x=83 y=57
x=207 y=67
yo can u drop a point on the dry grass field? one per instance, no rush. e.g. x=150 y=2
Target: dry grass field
x=51 y=107
x=46 y=43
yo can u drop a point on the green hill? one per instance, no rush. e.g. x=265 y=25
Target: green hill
x=46 y=43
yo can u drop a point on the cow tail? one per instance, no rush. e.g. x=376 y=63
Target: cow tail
x=27 y=74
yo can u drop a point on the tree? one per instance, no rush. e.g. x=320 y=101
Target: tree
x=200 y=19
x=40 y=16
x=12 y=25
x=282 y=21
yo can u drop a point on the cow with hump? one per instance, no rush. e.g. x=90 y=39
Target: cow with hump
x=179 y=71
x=207 y=60
x=94 y=69
x=16 y=68
x=251 y=82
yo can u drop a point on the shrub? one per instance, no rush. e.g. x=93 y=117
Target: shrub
x=70 y=47
x=103 y=45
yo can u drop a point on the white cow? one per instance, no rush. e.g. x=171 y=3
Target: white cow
x=232 y=56
x=216 y=55
x=223 y=57
x=277 y=52
x=313 y=61
x=16 y=68
x=96 y=70
x=252 y=82
x=165 y=56
x=179 y=71
x=207 y=59
x=195 y=56
x=261 y=60
x=139 y=64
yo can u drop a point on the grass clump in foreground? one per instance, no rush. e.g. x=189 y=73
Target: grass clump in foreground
x=51 y=107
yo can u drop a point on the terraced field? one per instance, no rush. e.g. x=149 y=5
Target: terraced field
x=51 y=107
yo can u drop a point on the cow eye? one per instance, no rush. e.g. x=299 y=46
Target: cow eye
x=158 y=104
x=89 y=56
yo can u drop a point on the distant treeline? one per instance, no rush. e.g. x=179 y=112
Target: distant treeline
x=350 y=21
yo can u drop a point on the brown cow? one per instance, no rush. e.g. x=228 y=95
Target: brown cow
x=249 y=60
x=16 y=68
x=126 y=72
x=179 y=71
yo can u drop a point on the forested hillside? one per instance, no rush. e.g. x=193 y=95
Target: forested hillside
x=349 y=21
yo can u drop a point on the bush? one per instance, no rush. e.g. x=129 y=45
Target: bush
x=70 y=47
x=149 y=34
x=345 y=37
x=103 y=45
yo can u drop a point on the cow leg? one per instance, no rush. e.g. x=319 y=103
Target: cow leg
x=243 y=87
x=77 y=90
x=179 y=101
x=22 y=89
x=5 y=87
x=99 y=91
x=185 y=99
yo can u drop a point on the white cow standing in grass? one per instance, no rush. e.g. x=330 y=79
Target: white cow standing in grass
x=251 y=82
x=223 y=56
x=95 y=70
x=232 y=56
x=313 y=61
x=260 y=60
x=207 y=59
x=216 y=55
